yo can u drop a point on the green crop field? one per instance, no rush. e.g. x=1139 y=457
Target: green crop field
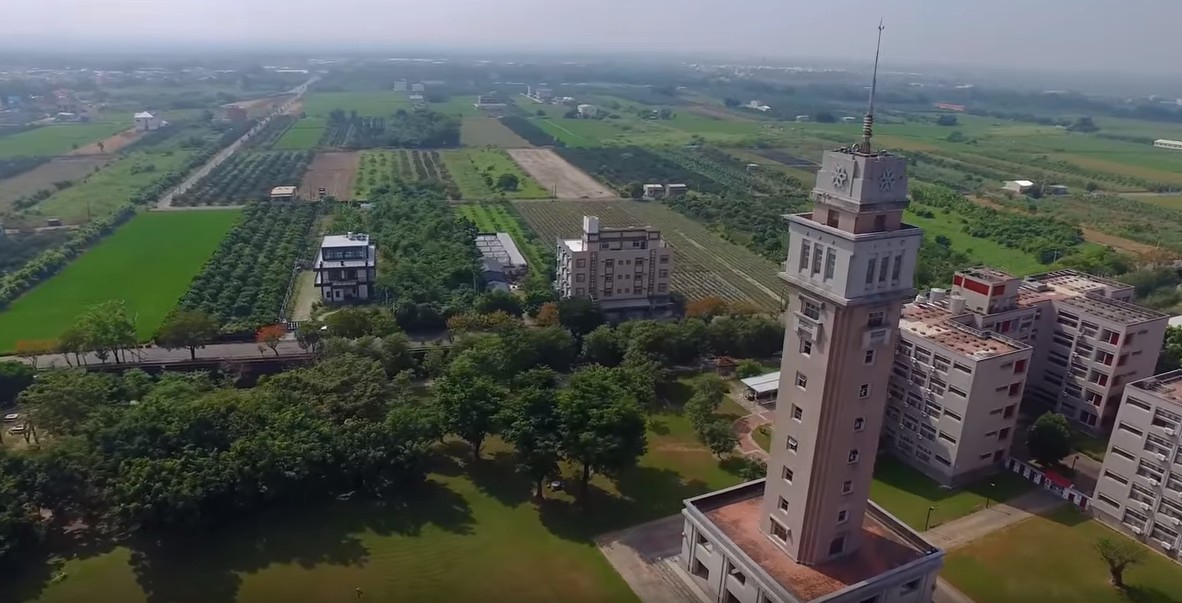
x=58 y=139
x=489 y=132
x=1014 y=261
x=462 y=106
x=704 y=264
x=501 y=217
x=370 y=103
x=148 y=263
x=302 y=135
x=475 y=171
x=1166 y=201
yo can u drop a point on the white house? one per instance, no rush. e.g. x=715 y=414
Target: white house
x=145 y=121
x=654 y=191
x=1173 y=145
x=346 y=267
x=588 y=110
x=1019 y=186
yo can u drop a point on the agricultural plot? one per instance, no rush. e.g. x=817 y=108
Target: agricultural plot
x=704 y=264
x=57 y=139
x=562 y=179
x=478 y=174
x=620 y=166
x=247 y=177
x=374 y=103
x=43 y=177
x=501 y=217
x=166 y=249
x=380 y=170
x=462 y=106
x=302 y=135
x=272 y=132
x=334 y=172
x=489 y=132
x=244 y=283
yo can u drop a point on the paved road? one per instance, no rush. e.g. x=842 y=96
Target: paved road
x=960 y=532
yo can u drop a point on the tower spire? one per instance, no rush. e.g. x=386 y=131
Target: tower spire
x=868 y=121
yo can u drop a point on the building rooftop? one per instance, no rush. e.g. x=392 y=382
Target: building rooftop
x=1166 y=385
x=736 y=512
x=763 y=383
x=350 y=239
x=1110 y=309
x=283 y=191
x=1022 y=182
x=1070 y=281
x=573 y=244
x=500 y=247
x=987 y=274
x=934 y=323
x=143 y=115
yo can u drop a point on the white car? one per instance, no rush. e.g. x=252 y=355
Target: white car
x=18 y=430
x=12 y=417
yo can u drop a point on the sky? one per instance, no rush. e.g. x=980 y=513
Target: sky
x=1064 y=35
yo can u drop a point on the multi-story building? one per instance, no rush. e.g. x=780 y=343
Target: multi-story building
x=1069 y=340
x=621 y=269
x=346 y=267
x=1140 y=487
x=808 y=531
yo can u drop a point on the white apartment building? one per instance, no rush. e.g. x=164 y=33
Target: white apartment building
x=346 y=267
x=1140 y=487
x=621 y=269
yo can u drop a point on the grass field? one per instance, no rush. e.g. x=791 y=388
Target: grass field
x=1053 y=559
x=469 y=168
x=1014 y=261
x=704 y=264
x=461 y=106
x=380 y=169
x=471 y=534
x=58 y=139
x=1166 y=201
x=369 y=103
x=302 y=135
x=489 y=132
x=500 y=217
x=148 y=263
x=907 y=493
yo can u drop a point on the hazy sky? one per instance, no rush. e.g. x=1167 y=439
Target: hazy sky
x=1106 y=35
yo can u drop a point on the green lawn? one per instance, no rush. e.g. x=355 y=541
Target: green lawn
x=59 y=139
x=1089 y=445
x=468 y=167
x=1053 y=559
x=148 y=263
x=103 y=191
x=302 y=135
x=984 y=251
x=907 y=493
x=460 y=106
x=472 y=534
x=763 y=437
x=373 y=103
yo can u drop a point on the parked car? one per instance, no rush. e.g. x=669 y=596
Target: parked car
x=12 y=417
x=18 y=430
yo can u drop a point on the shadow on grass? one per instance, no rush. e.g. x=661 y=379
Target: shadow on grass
x=1141 y=594
x=658 y=426
x=1065 y=514
x=496 y=475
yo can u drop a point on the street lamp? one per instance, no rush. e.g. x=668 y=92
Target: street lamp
x=989 y=493
x=928 y=520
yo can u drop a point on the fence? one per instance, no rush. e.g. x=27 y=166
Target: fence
x=1052 y=482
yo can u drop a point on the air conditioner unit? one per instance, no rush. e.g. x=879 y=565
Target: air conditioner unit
x=1170 y=432
x=1145 y=506
x=1154 y=483
x=1167 y=546
x=1177 y=521
x=1137 y=531
x=1161 y=457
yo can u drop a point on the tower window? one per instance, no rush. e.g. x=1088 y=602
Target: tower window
x=830 y=263
x=792 y=445
x=882 y=271
x=817 y=249
x=805 y=248
x=801 y=381
x=870 y=271
x=783 y=506
x=854 y=456
x=810 y=309
x=843 y=516
x=786 y=474
x=806 y=347
x=864 y=390
x=779 y=531
x=847 y=486
x=859 y=424
x=837 y=546
x=875 y=319
x=797 y=412
x=897 y=269
x=869 y=359
x=832 y=218
x=880 y=222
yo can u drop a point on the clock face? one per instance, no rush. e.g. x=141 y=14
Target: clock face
x=886 y=182
x=840 y=178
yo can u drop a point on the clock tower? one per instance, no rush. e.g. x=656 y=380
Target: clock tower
x=850 y=269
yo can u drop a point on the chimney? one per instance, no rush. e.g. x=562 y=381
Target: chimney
x=591 y=224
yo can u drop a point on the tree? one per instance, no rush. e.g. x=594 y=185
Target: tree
x=720 y=438
x=359 y=322
x=547 y=315
x=508 y=182
x=72 y=341
x=1049 y=439
x=1171 y=351
x=108 y=328
x=824 y=117
x=1119 y=553
x=33 y=349
x=1083 y=123
x=634 y=190
x=1091 y=186
x=63 y=401
x=270 y=336
x=946 y=120
x=579 y=315
x=731 y=102
x=189 y=329
x=15 y=377
x=956 y=136
x=498 y=301
x=470 y=402
x=531 y=424
x=707 y=307
x=603 y=346
x=603 y=428
x=748 y=368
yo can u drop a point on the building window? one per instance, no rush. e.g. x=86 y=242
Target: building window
x=837 y=546
x=810 y=309
x=806 y=347
x=662 y=288
x=663 y=274
x=882 y=270
x=783 y=505
x=870 y=271
x=847 y=486
x=786 y=474
x=830 y=263
x=952 y=415
x=1116 y=477
x=801 y=381
x=817 y=249
x=843 y=516
x=805 y=248
x=864 y=390
x=1130 y=429
x=859 y=424
x=1131 y=401
x=792 y=444
x=580 y=278
x=580 y=263
x=797 y=412
x=897 y=268
x=947 y=438
x=580 y=291
x=875 y=319
x=779 y=531
x=910 y=587
x=962 y=368
x=832 y=218
x=869 y=357
x=1123 y=454
x=700 y=570
x=853 y=456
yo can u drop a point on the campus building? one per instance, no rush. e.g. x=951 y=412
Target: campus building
x=808 y=531
x=966 y=358
x=346 y=267
x=1140 y=487
x=621 y=269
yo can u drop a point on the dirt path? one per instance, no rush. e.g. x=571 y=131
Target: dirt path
x=110 y=144
x=555 y=174
x=334 y=171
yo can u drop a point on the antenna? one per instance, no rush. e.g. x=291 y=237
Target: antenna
x=868 y=121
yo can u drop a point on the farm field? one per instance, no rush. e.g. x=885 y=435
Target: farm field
x=105 y=189
x=110 y=144
x=475 y=172
x=274 y=130
x=58 y=139
x=984 y=251
x=43 y=176
x=501 y=217
x=704 y=266
x=463 y=106
x=166 y=248
x=333 y=171
x=247 y=177
x=375 y=103
x=302 y=135
x=562 y=179
x=379 y=170
x=1166 y=201
x=489 y=132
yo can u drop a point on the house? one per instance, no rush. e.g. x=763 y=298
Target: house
x=146 y=122
x=621 y=269
x=1057 y=189
x=418 y=87
x=493 y=275
x=675 y=190
x=654 y=191
x=587 y=110
x=400 y=85
x=500 y=248
x=849 y=119
x=283 y=194
x=804 y=118
x=1173 y=145
x=758 y=106
x=491 y=104
x=1018 y=186
x=346 y=267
